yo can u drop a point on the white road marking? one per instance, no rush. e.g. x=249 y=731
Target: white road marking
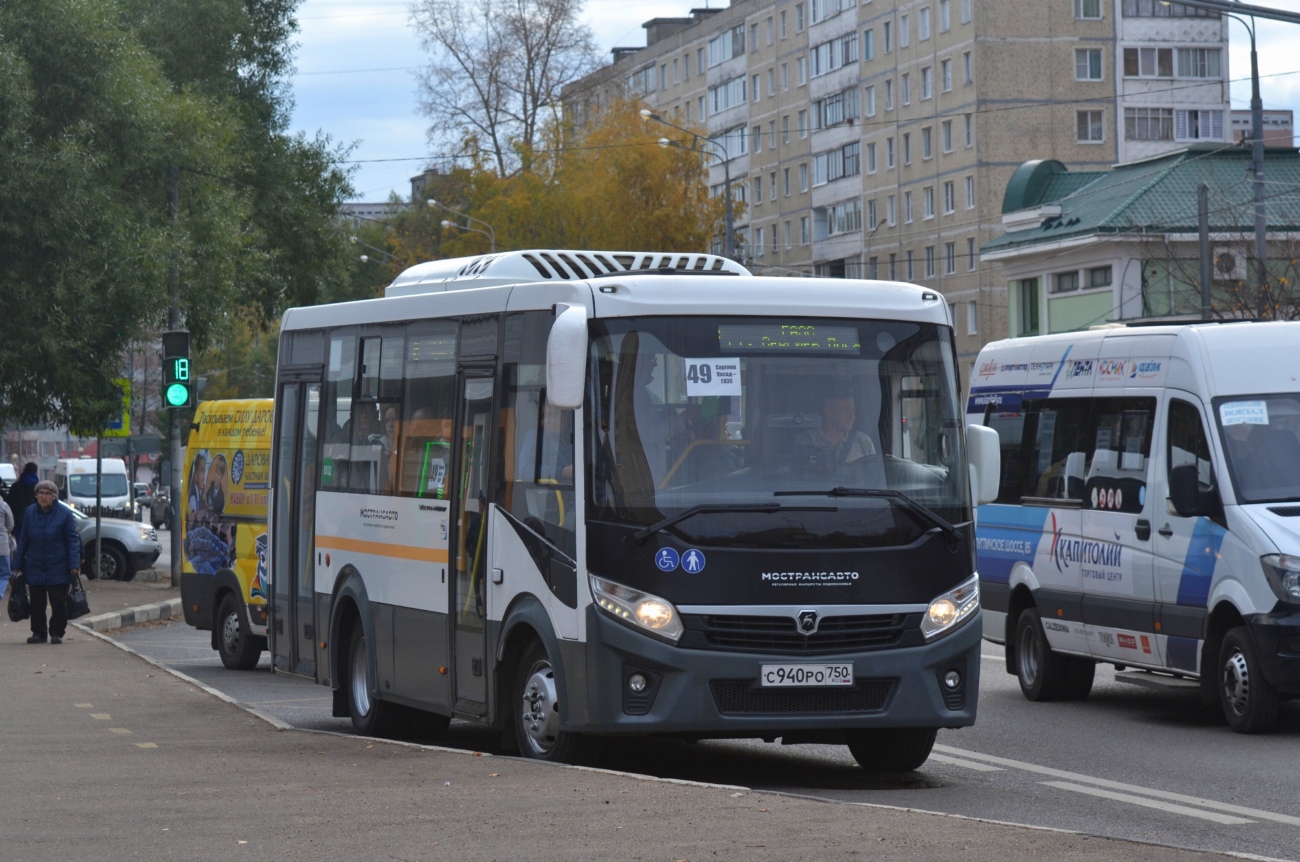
x=1253 y=813
x=1227 y=819
x=967 y=764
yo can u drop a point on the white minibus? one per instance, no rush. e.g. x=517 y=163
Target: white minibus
x=1148 y=514
x=75 y=479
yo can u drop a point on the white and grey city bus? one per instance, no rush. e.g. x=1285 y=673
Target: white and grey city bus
x=574 y=495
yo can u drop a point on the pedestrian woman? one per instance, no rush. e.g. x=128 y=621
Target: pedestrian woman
x=6 y=543
x=48 y=555
x=22 y=493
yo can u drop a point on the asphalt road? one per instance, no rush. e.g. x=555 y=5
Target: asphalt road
x=1127 y=763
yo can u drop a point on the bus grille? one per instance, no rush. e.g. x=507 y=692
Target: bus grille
x=741 y=697
x=781 y=635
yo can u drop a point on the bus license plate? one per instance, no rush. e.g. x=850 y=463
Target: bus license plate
x=787 y=675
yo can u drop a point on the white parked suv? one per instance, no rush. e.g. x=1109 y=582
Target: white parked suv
x=125 y=548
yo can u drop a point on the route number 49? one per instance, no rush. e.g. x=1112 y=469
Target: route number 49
x=712 y=376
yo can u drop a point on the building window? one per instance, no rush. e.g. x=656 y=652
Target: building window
x=785 y=76
x=1157 y=9
x=1089 y=128
x=927 y=145
x=1148 y=124
x=923 y=24
x=907 y=88
x=771 y=134
x=969 y=68
x=756 y=84
x=758 y=242
x=929 y=261
x=927 y=83
x=889 y=37
x=663 y=77
x=771 y=83
x=871 y=158
x=945 y=135
x=784 y=33
x=965 y=11
x=907 y=148
x=945 y=16
x=945 y=72
x=868 y=44
x=871 y=215
x=949 y=258
x=870 y=95
x=893 y=267
x=970 y=253
x=889 y=94
x=1027 y=324
x=969 y=121
x=758 y=191
x=803 y=124
x=802 y=65
x=798 y=17
x=768 y=25
x=904 y=32
x=785 y=129
x=676 y=80
x=785 y=181
x=1148 y=62
x=1087 y=10
x=889 y=153
x=1087 y=64
x=911 y=269
x=972 y=318
x=803 y=230
x=873 y=267
x=1064 y=282
x=907 y=210
x=1198 y=63
x=927 y=201
x=891 y=216
x=1198 y=125
x=970 y=193
x=756 y=140
x=949 y=198
x=788 y=242
x=1099 y=276
x=753 y=37
x=803 y=177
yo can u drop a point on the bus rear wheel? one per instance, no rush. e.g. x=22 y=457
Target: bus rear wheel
x=537 y=713
x=236 y=645
x=892 y=749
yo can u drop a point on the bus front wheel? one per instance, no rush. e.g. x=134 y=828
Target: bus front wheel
x=892 y=749
x=238 y=648
x=370 y=716
x=537 y=713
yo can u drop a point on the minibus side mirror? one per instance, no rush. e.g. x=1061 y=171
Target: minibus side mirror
x=566 y=357
x=1186 y=498
x=984 y=451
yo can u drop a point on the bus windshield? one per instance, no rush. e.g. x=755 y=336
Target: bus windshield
x=83 y=485
x=767 y=427
x=1261 y=435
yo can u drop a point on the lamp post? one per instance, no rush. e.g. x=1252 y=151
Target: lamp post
x=469 y=219
x=729 y=239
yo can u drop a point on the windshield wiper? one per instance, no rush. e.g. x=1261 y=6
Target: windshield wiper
x=919 y=513
x=762 y=508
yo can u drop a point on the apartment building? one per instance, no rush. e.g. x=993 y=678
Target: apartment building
x=875 y=138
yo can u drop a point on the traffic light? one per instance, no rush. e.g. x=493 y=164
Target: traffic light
x=178 y=382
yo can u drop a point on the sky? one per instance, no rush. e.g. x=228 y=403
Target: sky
x=357 y=62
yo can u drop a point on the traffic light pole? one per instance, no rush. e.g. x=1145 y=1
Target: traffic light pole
x=174 y=322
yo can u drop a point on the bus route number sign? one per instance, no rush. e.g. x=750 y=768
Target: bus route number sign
x=792 y=675
x=712 y=377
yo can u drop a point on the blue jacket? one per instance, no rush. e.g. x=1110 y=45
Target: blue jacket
x=49 y=546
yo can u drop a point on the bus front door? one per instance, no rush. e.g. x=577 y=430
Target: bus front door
x=470 y=541
x=292 y=632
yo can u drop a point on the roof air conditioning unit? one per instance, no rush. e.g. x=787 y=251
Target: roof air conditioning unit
x=1229 y=265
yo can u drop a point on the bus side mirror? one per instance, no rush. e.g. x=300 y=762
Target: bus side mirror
x=566 y=358
x=984 y=451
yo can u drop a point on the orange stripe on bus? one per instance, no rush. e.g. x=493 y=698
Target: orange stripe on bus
x=380 y=549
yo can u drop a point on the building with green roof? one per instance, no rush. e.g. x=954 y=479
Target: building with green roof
x=1083 y=248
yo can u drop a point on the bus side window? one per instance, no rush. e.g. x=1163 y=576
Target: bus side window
x=428 y=407
x=1121 y=431
x=1010 y=426
x=1055 y=459
x=337 y=406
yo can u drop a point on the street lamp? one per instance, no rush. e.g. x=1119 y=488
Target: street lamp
x=365 y=258
x=729 y=239
x=469 y=219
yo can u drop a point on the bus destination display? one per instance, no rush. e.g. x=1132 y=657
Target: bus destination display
x=787 y=338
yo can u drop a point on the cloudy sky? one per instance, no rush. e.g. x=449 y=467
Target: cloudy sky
x=357 y=61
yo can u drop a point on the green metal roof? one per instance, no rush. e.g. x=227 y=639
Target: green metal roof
x=1155 y=195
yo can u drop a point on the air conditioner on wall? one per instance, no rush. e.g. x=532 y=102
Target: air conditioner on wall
x=1229 y=264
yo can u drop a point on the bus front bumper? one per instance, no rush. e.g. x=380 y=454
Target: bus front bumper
x=714 y=693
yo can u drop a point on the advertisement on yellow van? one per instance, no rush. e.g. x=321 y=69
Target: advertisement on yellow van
x=223 y=517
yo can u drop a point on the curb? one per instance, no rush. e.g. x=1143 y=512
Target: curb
x=131 y=616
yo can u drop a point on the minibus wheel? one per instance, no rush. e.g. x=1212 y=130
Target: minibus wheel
x=235 y=643
x=1040 y=671
x=537 y=713
x=892 y=749
x=1249 y=703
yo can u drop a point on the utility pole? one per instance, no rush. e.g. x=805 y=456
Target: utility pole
x=174 y=322
x=1203 y=235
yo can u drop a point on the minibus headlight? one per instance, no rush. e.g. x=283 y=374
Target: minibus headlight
x=1283 y=573
x=951 y=608
x=642 y=610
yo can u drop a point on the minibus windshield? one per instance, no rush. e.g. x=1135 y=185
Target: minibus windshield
x=1261 y=435
x=83 y=485
x=732 y=415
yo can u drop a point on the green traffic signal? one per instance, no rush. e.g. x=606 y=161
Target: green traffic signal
x=177 y=386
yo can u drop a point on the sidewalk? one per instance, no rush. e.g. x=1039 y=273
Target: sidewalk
x=110 y=758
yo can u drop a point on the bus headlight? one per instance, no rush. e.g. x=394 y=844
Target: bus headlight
x=949 y=609
x=651 y=613
x=1283 y=573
